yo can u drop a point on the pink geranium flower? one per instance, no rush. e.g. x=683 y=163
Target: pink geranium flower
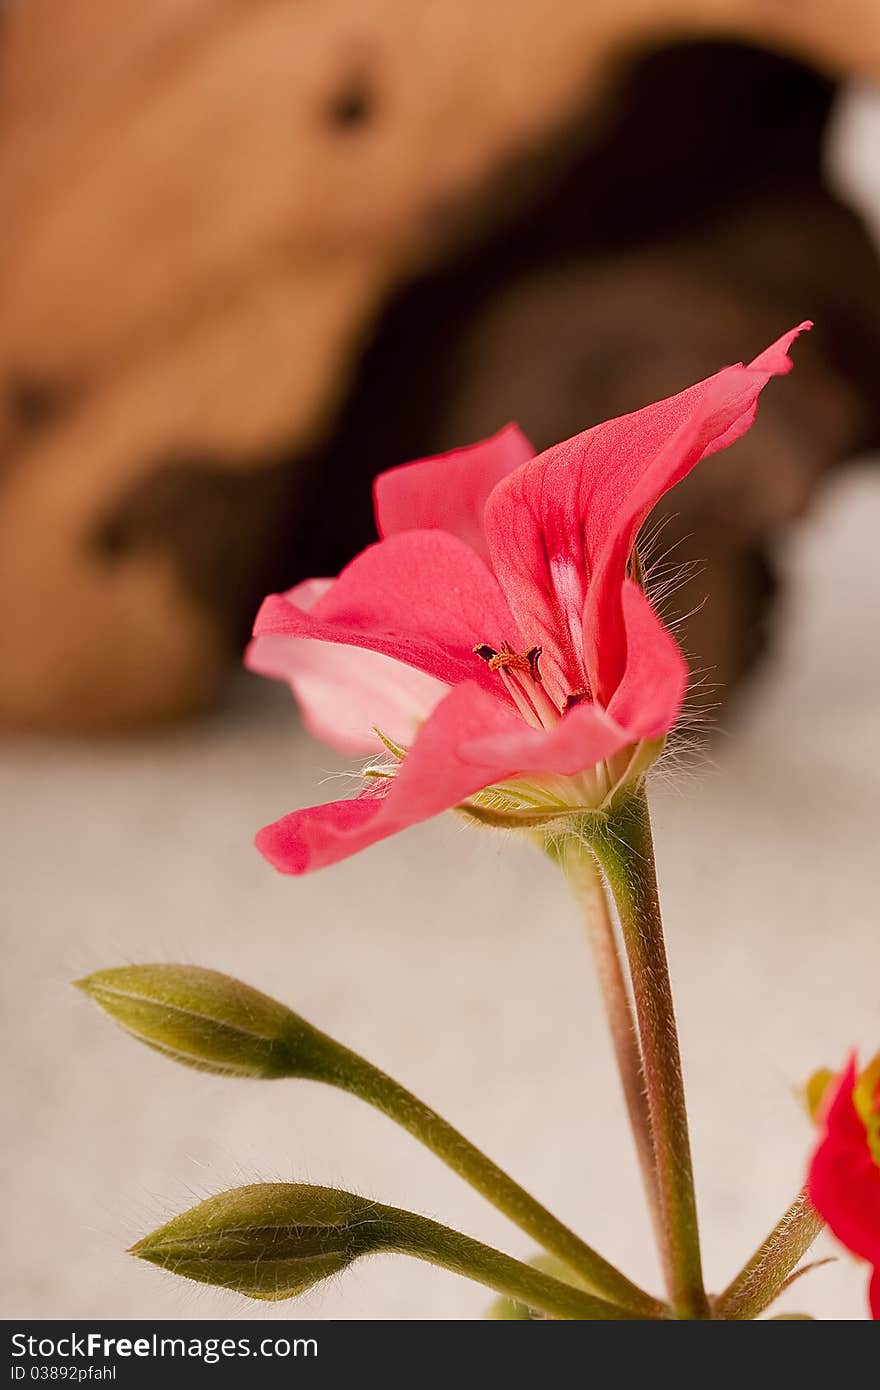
x=491 y=641
x=844 y=1177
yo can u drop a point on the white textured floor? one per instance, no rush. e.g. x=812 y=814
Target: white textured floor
x=453 y=959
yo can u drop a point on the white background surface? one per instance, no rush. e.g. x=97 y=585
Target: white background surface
x=453 y=959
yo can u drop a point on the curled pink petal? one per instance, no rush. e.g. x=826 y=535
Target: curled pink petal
x=561 y=528
x=679 y=433
x=320 y=835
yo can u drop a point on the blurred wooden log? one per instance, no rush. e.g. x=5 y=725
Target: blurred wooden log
x=206 y=203
x=603 y=298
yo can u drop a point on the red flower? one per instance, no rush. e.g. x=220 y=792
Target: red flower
x=492 y=634
x=844 y=1177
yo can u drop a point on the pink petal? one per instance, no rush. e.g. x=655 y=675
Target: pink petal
x=345 y=693
x=307 y=593
x=561 y=528
x=422 y=597
x=306 y=840
x=874 y=1294
x=584 y=737
x=648 y=699
x=432 y=778
x=675 y=436
x=844 y=1179
x=533 y=526
x=448 y=491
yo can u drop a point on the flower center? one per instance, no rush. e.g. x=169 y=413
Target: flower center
x=521 y=676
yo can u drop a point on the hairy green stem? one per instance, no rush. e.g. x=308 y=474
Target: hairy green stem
x=209 y=1021
x=765 y=1274
x=350 y=1072
x=623 y=844
x=583 y=874
x=439 y=1245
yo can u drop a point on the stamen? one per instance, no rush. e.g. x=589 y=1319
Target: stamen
x=520 y=697
x=577 y=697
x=521 y=677
x=509 y=660
x=533 y=656
x=485 y=651
x=546 y=709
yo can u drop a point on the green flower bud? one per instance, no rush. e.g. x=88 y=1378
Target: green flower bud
x=269 y=1240
x=276 y=1240
x=208 y=1021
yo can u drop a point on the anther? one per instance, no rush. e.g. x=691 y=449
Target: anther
x=577 y=697
x=483 y=650
x=533 y=656
x=508 y=660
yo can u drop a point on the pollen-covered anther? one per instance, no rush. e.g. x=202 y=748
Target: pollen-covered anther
x=521 y=677
x=506 y=659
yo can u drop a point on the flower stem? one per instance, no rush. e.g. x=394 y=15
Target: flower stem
x=623 y=844
x=424 y=1239
x=583 y=874
x=763 y=1277
x=355 y=1074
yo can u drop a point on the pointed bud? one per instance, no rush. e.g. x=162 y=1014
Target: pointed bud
x=209 y=1021
x=269 y=1240
x=276 y=1240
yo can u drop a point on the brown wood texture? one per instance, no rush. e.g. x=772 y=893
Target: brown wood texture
x=206 y=204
